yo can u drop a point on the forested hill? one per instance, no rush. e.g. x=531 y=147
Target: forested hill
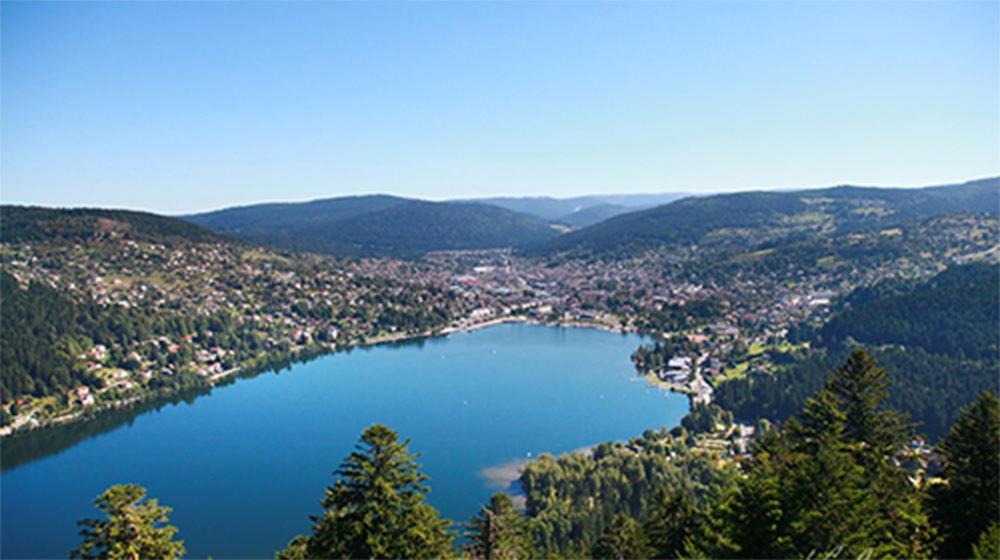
x=750 y=218
x=938 y=339
x=956 y=313
x=20 y=224
x=378 y=226
x=282 y=219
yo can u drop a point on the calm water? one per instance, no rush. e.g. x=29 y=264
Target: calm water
x=244 y=467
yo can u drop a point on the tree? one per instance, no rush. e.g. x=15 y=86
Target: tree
x=670 y=522
x=376 y=507
x=133 y=529
x=623 y=539
x=499 y=532
x=861 y=389
x=825 y=484
x=822 y=485
x=963 y=507
x=876 y=434
x=988 y=547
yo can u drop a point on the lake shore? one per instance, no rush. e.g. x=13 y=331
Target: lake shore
x=30 y=423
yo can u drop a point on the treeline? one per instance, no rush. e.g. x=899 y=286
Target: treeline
x=937 y=339
x=826 y=485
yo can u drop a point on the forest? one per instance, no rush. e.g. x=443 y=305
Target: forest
x=937 y=340
x=42 y=335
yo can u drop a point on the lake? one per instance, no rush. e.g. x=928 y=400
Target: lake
x=244 y=466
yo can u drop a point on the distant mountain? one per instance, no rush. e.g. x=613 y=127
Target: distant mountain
x=587 y=209
x=378 y=225
x=591 y=215
x=20 y=224
x=749 y=218
x=284 y=218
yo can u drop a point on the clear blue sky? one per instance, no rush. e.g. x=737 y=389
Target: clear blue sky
x=175 y=107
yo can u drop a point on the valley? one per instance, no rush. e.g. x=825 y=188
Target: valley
x=744 y=314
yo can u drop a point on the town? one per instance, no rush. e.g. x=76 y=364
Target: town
x=207 y=311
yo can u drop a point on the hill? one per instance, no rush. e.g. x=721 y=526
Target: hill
x=378 y=225
x=936 y=338
x=955 y=313
x=20 y=224
x=750 y=218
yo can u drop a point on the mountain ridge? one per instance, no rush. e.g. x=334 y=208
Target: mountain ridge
x=756 y=216
x=377 y=226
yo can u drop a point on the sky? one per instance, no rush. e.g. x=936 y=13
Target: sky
x=177 y=107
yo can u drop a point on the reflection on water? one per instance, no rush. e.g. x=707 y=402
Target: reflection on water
x=28 y=446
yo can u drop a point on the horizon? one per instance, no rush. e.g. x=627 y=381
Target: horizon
x=182 y=108
x=486 y=198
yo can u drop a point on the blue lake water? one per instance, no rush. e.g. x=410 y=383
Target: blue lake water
x=245 y=466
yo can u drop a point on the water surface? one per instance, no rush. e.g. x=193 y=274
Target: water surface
x=245 y=466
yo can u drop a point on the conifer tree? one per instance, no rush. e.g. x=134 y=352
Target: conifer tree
x=826 y=484
x=876 y=434
x=969 y=500
x=758 y=517
x=988 y=546
x=822 y=488
x=498 y=532
x=376 y=507
x=623 y=539
x=133 y=528
x=670 y=521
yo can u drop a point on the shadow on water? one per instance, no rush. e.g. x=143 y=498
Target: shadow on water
x=25 y=447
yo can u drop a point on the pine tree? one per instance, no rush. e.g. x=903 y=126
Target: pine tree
x=757 y=517
x=623 y=539
x=822 y=483
x=861 y=389
x=670 y=521
x=499 y=532
x=876 y=434
x=133 y=528
x=376 y=507
x=969 y=500
x=988 y=546
x=814 y=487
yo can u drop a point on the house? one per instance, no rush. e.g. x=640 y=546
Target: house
x=679 y=362
x=98 y=352
x=83 y=396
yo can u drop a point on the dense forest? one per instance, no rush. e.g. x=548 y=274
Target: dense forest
x=829 y=484
x=43 y=334
x=378 y=226
x=572 y=498
x=937 y=339
x=25 y=224
x=956 y=313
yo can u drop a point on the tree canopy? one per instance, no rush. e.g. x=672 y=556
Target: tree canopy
x=133 y=528
x=376 y=507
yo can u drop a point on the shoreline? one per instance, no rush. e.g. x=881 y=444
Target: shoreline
x=232 y=374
